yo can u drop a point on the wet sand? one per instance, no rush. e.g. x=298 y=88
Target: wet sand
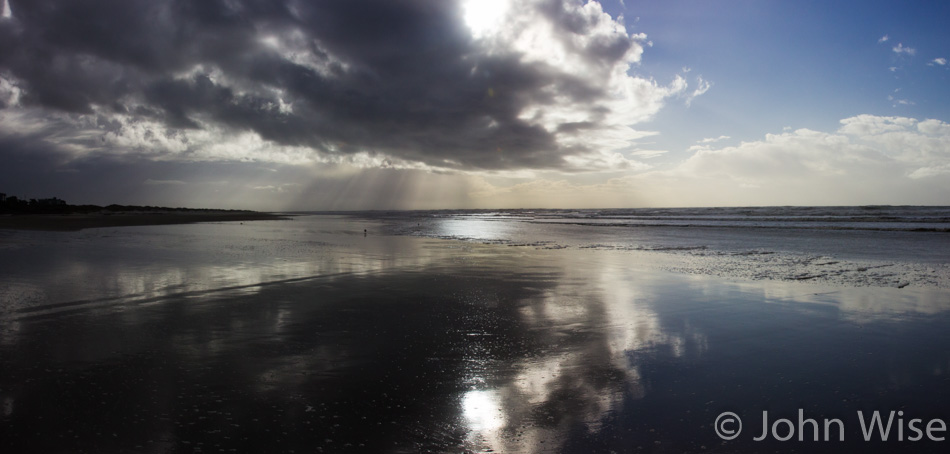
x=386 y=344
x=68 y=222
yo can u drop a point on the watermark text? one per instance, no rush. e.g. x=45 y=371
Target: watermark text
x=875 y=426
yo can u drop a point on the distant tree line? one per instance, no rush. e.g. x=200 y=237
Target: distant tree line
x=15 y=205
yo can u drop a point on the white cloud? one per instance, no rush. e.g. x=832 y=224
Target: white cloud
x=702 y=86
x=900 y=102
x=555 y=193
x=714 y=139
x=883 y=39
x=103 y=132
x=605 y=162
x=576 y=41
x=934 y=128
x=869 y=159
x=940 y=61
x=870 y=125
x=900 y=49
x=933 y=171
x=277 y=188
x=10 y=92
x=647 y=154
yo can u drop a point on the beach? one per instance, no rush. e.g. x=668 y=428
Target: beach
x=487 y=226
x=309 y=335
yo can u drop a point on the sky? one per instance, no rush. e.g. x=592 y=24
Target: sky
x=441 y=104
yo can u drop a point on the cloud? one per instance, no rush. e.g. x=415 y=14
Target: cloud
x=276 y=188
x=939 y=61
x=647 y=154
x=900 y=49
x=556 y=193
x=540 y=84
x=160 y=182
x=900 y=102
x=869 y=159
x=714 y=139
x=702 y=86
x=883 y=39
x=872 y=125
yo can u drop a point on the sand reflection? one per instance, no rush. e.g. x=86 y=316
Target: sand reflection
x=594 y=326
x=107 y=268
x=396 y=344
x=859 y=304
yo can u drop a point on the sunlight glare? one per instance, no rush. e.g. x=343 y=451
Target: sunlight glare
x=484 y=16
x=483 y=411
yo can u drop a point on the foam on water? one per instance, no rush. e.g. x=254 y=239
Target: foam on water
x=854 y=246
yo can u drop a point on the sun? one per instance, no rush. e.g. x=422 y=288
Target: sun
x=483 y=17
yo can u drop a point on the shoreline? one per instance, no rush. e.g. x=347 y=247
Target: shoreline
x=80 y=221
x=224 y=337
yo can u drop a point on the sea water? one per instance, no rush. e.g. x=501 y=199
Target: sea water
x=855 y=246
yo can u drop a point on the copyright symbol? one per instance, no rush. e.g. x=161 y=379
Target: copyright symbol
x=728 y=425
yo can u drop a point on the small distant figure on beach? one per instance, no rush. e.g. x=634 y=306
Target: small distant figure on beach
x=364 y=232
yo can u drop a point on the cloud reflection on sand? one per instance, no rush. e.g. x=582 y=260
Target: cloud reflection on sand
x=859 y=304
x=594 y=322
x=109 y=267
x=393 y=344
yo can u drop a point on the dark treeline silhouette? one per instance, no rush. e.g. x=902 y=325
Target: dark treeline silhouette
x=16 y=205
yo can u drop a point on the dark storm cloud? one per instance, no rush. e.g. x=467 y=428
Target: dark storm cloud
x=403 y=78
x=31 y=169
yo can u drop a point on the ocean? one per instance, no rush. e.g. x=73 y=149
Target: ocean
x=521 y=331
x=855 y=246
